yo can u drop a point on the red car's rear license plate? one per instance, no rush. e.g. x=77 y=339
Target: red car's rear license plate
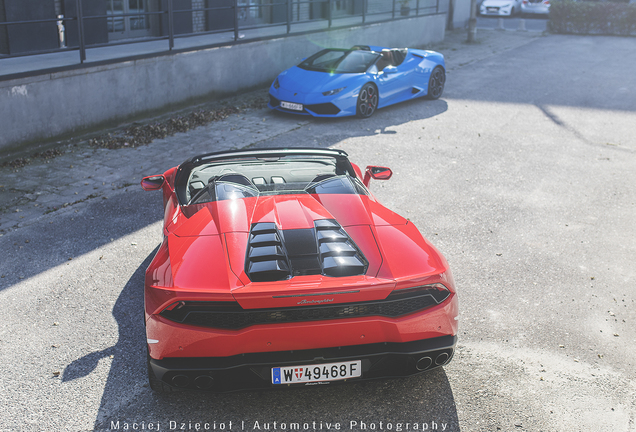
x=317 y=372
x=291 y=106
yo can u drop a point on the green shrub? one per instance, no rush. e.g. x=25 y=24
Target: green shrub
x=587 y=17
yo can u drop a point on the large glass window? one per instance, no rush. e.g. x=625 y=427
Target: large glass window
x=121 y=26
x=251 y=12
x=341 y=7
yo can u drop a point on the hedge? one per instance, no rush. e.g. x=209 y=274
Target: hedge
x=584 y=17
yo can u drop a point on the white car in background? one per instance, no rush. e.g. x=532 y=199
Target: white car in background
x=500 y=7
x=535 y=7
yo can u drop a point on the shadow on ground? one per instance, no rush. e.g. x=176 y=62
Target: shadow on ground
x=55 y=239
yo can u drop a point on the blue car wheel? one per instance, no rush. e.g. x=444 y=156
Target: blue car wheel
x=436 y=83
x=367 y=101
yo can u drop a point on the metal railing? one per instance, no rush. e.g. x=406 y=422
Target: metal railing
x=284 y=17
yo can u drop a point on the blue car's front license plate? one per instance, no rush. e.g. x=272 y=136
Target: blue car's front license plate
x=317 y=372
x=291 y=106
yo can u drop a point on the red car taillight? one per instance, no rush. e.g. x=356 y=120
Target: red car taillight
x=438 y=291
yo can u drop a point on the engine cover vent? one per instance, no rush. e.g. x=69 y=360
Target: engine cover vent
x=275 y=255
x=339 y=255
x=266 y=259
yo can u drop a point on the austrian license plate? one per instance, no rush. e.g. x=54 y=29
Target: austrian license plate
x=492 y=9
x=291 y=106
x=316 y=372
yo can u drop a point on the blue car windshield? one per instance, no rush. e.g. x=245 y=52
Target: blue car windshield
x=340 y=61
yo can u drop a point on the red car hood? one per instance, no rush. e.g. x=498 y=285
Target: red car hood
x=207 y=250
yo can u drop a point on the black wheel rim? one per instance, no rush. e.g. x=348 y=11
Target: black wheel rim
x=368 y=101
x=437 y=83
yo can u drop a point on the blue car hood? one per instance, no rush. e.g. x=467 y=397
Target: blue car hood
x=303 y=81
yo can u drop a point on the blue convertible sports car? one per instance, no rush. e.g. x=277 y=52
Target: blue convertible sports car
x=357 y=81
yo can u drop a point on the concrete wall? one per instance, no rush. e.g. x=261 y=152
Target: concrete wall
x=44 y=107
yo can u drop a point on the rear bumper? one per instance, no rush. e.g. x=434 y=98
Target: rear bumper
x=539 y=10
x=496 y=11
x=253 y=371
x=174 y=340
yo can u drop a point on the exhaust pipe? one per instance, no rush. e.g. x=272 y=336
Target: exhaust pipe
x=441 y=359
x=180 y=381
x=424 y=363
x=203 y=382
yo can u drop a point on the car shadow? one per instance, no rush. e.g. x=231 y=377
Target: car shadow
x=390 y=116
x=128 y=313
x=425 y=399
x=325 y=132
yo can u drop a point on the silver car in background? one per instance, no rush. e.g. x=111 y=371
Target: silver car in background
x=500 y=7
x=535 y=7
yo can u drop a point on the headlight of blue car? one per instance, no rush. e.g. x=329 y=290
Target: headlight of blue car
x=333 y=92
x=276 y=84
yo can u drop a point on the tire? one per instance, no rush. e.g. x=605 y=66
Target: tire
x=367 y=101
x=155 y=383
x=436 y=83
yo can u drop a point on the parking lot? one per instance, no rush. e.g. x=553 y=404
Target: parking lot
x=522 y=174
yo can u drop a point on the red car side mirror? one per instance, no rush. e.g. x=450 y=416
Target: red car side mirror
x=376 y=173
x=152 y=183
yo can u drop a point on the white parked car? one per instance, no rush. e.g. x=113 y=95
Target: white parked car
x=535 y=6
x=500 y=7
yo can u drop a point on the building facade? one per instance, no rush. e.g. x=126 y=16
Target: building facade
x=106 y=21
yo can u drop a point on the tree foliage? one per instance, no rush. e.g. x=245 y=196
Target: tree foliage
x=586 y=17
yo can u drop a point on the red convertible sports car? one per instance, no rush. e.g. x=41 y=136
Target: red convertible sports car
x=279 y=268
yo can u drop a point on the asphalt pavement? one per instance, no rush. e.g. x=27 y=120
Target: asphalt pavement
x=522 y=174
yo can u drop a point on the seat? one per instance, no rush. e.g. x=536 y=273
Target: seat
x=399 y=54
x=235 y=178
x=322 y=177
x=385 y=60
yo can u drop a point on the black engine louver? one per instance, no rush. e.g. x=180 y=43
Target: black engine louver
x=275 y=255
x=266 y=260
x=339 y=255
